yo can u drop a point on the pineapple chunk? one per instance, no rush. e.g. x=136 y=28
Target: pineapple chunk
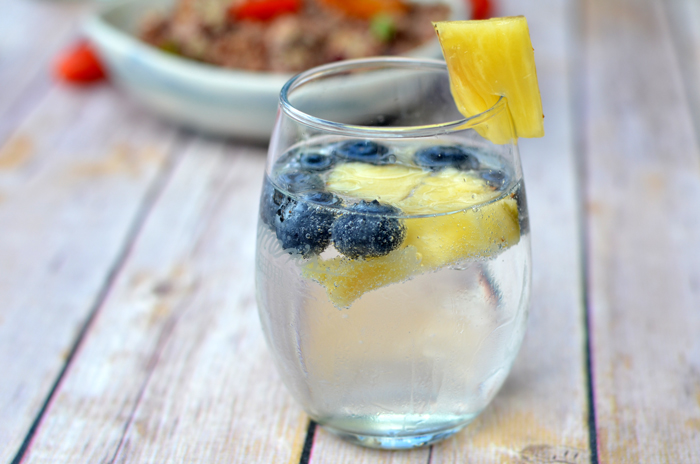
x=446 y=191
x=412 y=190
x=488 y=59
x=388 y=184
x=472 y=233
x=346 y=280
x=431 y=242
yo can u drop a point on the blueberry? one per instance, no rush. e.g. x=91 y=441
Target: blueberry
x=299 y=181
x=365 y=231
x=324 y=199
x=442 y=156
x=315 y=161
x=271 y=201
x=304 y=228
x=365 y=151
x=523 y=216
x=286 y=159
x=494 y=178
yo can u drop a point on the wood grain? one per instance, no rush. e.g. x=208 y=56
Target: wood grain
x=73 y=178
x=643 y=192
x=684 y=25
x=32 y=34
x=175 y=367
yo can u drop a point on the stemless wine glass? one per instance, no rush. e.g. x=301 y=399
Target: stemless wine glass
x=393 y=251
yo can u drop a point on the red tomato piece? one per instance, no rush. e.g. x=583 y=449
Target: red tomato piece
x=79 y=64
x=263 y=10
x=481 y=9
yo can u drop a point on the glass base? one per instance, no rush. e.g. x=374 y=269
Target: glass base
x=395 y=442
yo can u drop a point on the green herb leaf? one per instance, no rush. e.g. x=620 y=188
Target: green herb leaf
x=383 y=27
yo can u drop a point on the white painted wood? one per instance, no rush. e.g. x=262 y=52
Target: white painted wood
x=175 y=368
x=643 y=189
x=32 y=34
x=73 y=178
x=684 y=25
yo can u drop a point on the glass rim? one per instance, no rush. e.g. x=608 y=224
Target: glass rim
x=377 y=131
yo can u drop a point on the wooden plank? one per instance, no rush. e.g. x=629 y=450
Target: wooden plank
x=32 y=33
x=73 y=179
x=643 y=192
x=541 y=412
x=175 y=367
x=684 y=24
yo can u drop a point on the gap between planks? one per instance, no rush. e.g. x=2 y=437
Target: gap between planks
x=643 y=189
x=149 y=201
x=578 y=98
x=81 y=167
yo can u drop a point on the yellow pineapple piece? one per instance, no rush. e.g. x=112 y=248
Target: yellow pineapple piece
x=346 y=279
x=487 y=59
x=446 y=191
x=388 y=184
x=412 y=190
x=472 y=233
x=431 y=242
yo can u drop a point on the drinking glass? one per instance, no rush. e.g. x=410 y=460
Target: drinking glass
x=393 y=251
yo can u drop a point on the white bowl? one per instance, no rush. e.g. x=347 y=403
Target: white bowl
x=215 y=100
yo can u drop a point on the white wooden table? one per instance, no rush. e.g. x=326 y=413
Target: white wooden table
x=128 y=325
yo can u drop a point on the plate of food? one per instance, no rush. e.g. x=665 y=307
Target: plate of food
x=218 y=65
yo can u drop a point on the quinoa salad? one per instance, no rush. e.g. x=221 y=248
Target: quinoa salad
x=290 y=35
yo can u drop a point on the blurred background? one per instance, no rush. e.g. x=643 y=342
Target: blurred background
x=133 y=138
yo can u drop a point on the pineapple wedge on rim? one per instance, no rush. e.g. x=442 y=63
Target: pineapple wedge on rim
x=493 y=58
